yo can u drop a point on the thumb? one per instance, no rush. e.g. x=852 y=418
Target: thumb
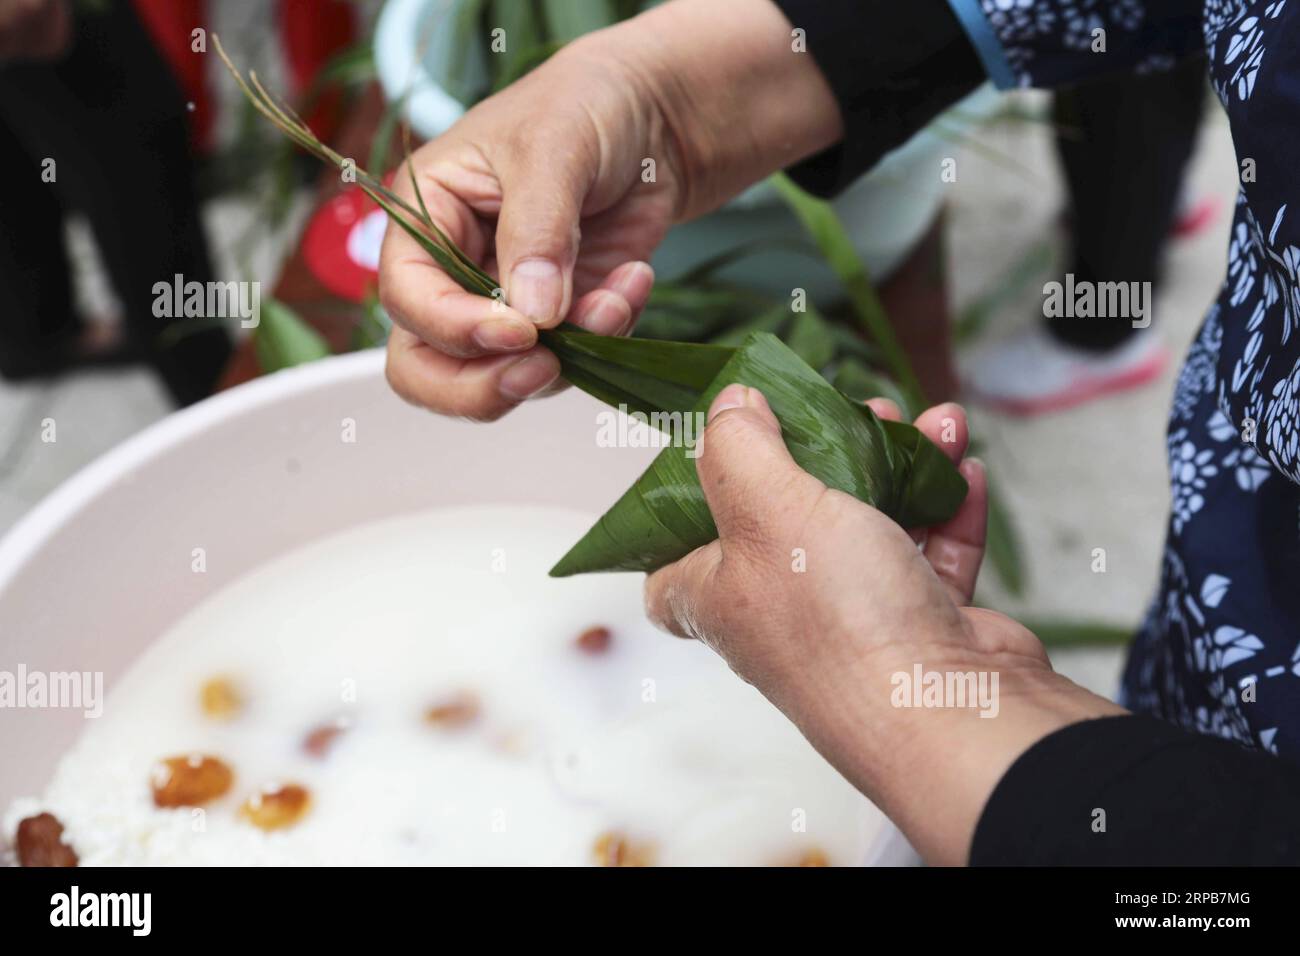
x=744 y=467
x=537 y=239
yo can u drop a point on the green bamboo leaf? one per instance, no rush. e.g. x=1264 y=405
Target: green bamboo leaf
x=1004 y=545
x=666 y=325
x=382 y=143
x=567 y=20
x=642 y=375
x=374 y=325
x=410 y=172
x=522 y=38
x=810 y=338
x=889 y=465
x=282 y=339
x=708 y=270
x=530 y=60
x=823 y=224
x=684 y=314
x=928 y=488
x=1064 y=633
x=466 y=23
x=351 y=66
x=860 y=382
x=773 y=320
x=470 y=277
x=850 y=344
x=623 y=9
x=722 y=300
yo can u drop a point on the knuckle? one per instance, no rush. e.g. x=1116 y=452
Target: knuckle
x=451 y=339
x=657 y=606
x=675 y=597
x=483 y=412
x=412 y=392
x=404 y=379
x=391 y=302
x=726 y=429
x=474 y=402
x=686 y=598
x=652 y=598
x=396 y=375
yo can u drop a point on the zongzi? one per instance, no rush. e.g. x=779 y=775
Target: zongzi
x=664 y=516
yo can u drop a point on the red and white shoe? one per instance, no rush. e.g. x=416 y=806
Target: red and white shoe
x=1031 y=373
x=1195 y=217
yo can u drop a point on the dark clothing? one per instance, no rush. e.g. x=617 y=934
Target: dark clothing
x=110 y=116
x=1136 y=791
x=892 y=66
x=1124 y=143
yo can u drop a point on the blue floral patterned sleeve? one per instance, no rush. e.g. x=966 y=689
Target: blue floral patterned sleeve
x=1054 y=42
x=1219 y=651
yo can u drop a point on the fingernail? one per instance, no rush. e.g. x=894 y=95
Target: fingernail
x=529 y=376
x=607 y=316
x=733 y=396
x=536 y=289
x=503 y=335
x=757 y=399
x=636 y=283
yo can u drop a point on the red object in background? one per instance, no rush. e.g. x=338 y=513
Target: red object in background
x=171 y=23
x=1195 y=219
x=311 y=31
x=341 y=244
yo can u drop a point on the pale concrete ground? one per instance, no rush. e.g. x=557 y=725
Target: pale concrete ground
x=1093 y=477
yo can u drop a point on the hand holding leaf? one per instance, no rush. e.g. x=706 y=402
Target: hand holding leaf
x=664 y=516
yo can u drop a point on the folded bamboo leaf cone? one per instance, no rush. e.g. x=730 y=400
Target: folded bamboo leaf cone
x=889 y=465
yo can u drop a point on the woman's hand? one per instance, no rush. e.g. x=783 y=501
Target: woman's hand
x=820 y=601
x=541 y=186
x=564 y=184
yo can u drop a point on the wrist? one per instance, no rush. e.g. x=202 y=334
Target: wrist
x=736 y=100
x=930 y=728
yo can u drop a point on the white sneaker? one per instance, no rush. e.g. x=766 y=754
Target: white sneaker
x=1031 y=373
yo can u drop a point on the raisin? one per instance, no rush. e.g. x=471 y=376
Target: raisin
x=615 y=849
x=40 y=842
x=453 y=712
x=189 y=781
x=594 y=640
x=275 y=807
x=321 y=739
x=220 y=698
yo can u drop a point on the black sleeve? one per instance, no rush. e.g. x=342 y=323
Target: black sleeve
x=893 y=65
x=1135 y=791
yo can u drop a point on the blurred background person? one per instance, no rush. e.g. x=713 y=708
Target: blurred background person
x=1124 y=145
x=104 y=109
x=92 y=121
